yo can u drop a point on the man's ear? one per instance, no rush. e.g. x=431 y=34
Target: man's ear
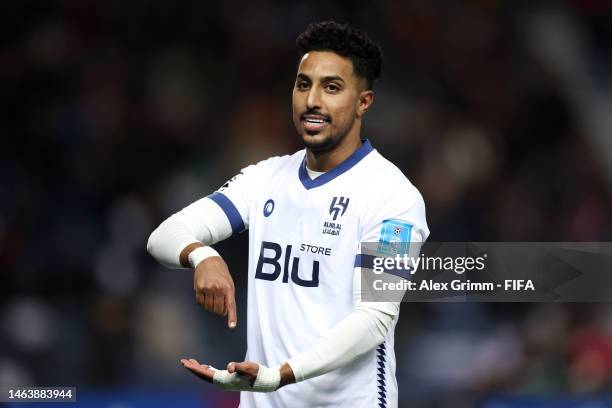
x=366 y=98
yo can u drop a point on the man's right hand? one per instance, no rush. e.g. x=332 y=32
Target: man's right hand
x=212 y=283
x=214 y=288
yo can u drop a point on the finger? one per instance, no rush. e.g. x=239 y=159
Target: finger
x=209 y=302
x=204 y=376
x=189 y=363
x=193 y=364
x=202 y=371
x=231 y=310
x=239 y=368
x=231 y=367
x=219 y=304
x=199 y=298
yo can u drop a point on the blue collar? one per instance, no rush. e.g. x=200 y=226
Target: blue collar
x=343 y=167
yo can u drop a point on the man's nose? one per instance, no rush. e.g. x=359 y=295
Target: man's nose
x=314 y=98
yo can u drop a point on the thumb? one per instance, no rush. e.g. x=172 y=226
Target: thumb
x=245 y=368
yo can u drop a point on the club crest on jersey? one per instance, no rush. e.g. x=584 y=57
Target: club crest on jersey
x=394 y=237
x=337 y=208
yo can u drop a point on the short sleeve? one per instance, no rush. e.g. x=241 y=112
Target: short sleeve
x=396 y=224
x=237 y=195
x=399 y=217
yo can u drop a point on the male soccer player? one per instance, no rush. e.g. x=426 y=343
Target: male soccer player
x=307 y=215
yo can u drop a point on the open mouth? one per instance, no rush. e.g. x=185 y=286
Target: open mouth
x=314 y=123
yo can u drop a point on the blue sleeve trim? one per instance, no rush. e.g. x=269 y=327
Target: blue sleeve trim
x=230 y=211
x=364 y=261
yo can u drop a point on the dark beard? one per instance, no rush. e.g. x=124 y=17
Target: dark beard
x=329 y=143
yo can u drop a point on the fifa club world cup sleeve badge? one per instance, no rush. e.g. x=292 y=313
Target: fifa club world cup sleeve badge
x=394 y=237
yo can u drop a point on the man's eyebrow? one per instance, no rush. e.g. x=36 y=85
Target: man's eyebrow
x=325 y=79
x=333 y=78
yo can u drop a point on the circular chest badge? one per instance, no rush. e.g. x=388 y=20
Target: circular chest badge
x=268 y=208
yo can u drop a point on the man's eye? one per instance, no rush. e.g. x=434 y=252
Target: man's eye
x=302 y=85
x=332 y=88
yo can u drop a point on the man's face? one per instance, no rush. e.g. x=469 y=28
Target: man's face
x=325 y=99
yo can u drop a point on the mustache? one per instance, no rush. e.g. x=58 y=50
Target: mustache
x=315 y=112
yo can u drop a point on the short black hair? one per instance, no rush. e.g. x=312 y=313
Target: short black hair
x=346 y=41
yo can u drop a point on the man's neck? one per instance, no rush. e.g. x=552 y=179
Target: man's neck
x=326 y=161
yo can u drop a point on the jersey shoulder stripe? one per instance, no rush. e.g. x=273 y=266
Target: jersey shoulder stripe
x=230 y=211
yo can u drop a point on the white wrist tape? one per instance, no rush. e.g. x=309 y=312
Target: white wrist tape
x=267 y=380
x=199 y=254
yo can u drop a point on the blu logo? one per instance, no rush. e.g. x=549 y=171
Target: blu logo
x=338 y=206
x=274 y=260
x=268 y=208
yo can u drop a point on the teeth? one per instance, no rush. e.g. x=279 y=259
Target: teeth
x=315 y=120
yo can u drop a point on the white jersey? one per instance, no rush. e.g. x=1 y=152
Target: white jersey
x=304 y=242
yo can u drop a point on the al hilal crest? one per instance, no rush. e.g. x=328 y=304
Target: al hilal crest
x=337 y=208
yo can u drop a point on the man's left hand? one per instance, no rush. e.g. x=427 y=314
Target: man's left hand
x=245 y=376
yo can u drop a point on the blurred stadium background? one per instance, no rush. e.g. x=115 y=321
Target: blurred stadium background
x=117 y=113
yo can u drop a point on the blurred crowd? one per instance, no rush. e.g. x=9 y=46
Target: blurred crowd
x=116 y=114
